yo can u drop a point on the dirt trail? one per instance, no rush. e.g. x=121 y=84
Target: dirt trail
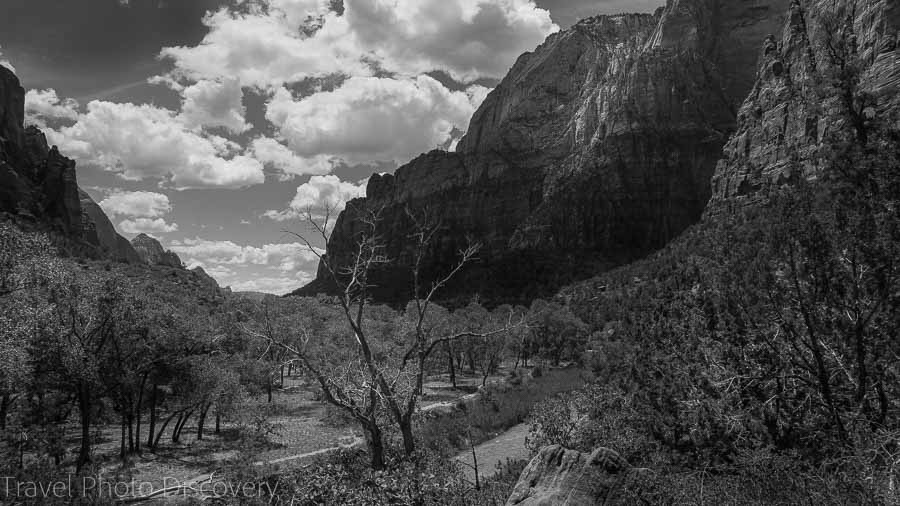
x=509 y=445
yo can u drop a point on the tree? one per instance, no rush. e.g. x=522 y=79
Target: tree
x=387 y=374
x=556 y=331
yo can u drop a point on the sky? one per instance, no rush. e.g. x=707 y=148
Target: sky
x=213 y=125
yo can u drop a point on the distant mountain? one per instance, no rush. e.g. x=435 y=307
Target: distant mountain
x=151 y=252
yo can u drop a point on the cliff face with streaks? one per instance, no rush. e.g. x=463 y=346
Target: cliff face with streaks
x=39 y=185
x=596 y=149
x=803 y=102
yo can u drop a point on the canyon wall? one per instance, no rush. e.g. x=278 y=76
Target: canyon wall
x=597 y=148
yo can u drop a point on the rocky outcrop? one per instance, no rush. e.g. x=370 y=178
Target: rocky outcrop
x=560 y=476
x=152 y=252
x=39 y=185
x=36 y=181
x=99 y=230
x=597 y=148
x=211 y=285
x=800 y=104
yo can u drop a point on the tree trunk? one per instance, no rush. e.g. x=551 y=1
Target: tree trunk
x=376 y=445
x=281 y=381
x=269 y=389
x=130 y=421
x=5 y=401
x=179 y=426
x=84 y=406
x=409 y=443
x=152 y=429
x=201 y=421
x=161 y=430
x=139 y=409
x=450 y=362
x=218 y=422
x=123 y=448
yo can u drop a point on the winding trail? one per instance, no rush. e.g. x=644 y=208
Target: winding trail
x=509 y=445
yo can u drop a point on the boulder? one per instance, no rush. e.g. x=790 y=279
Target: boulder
x=559 y=476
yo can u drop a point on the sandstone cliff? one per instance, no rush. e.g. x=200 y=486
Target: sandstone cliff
x=152 y=252
x=799 y=105
x=39 y=185
x=95 y=221
x=596 y=148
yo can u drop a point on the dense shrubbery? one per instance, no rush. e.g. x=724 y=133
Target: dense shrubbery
x=758 y=354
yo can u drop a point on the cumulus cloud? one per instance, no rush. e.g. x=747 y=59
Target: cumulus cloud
x=372 y=119
x=147 y=142
x=265 y=49
x=281 y=41
x=215 y=104
x=136 y=204
x=273 y=268
x=147 y=226
x=319 y=192
x=275 y=285
x=285 y=256
x=43 y=105
x=468 y=39
x=275 y=154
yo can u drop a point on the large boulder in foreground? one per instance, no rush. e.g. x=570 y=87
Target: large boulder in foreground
x=560 y=476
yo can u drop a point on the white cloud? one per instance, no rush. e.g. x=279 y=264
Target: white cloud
x=284 y=256
x=468 y=39
x=372 y=119
x=316 y=194
x=283 y=41
x=41 y=105
x=136 y=204
x=275 y=285
x=215 y=104
x=271 y=152
x=147 y=226
x=477 y=94
x=146 y=142
x=266 y=49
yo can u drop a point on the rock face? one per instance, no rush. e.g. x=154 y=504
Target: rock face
x=100 y=230
x=39 y=184
x=212 y=286
x=796 y=108
x=35 y=180
x=560 y=476
x=152 y=252
x=596 y=148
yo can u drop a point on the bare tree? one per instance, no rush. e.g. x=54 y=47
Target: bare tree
x=393 y=380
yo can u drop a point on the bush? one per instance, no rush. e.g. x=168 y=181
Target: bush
x=345 y=478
